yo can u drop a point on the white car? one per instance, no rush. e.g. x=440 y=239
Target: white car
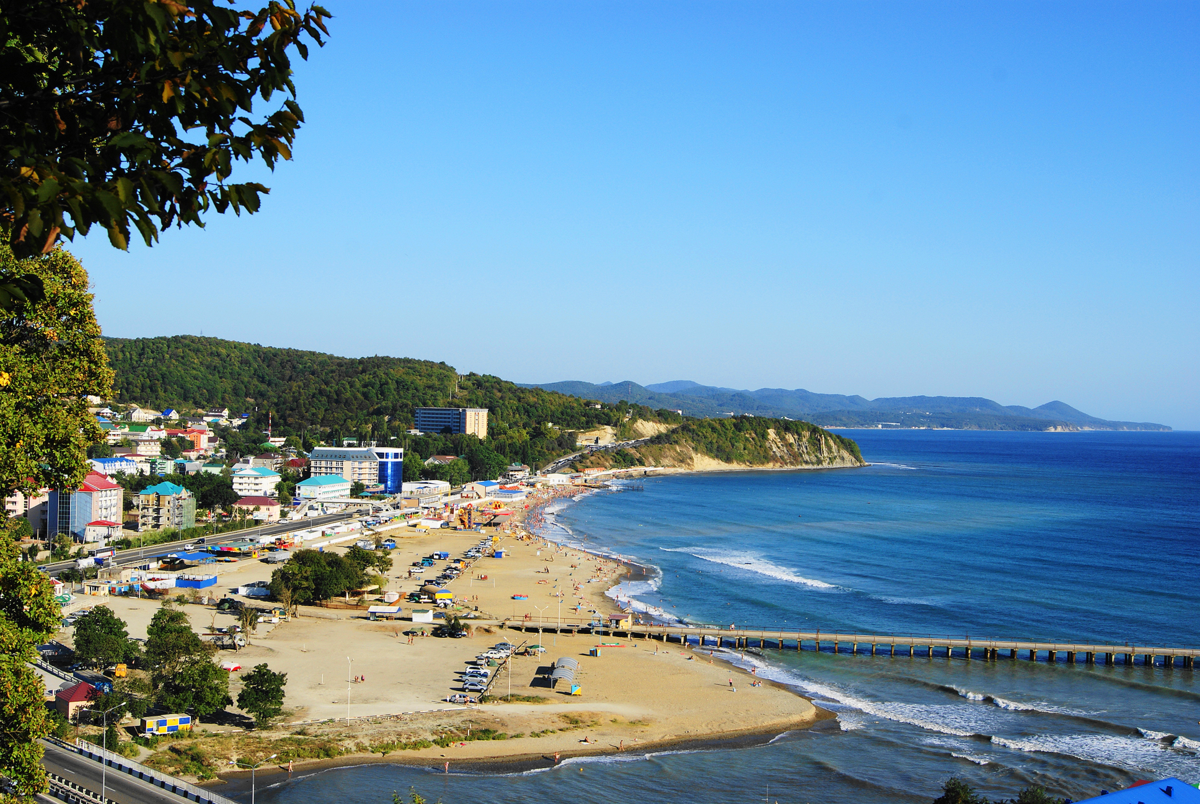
x=476 y=672
x=493 y=654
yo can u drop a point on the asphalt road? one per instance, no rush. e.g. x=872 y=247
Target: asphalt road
x=119 y=787
x=138 y=554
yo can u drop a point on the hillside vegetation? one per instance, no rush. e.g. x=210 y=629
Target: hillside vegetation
x=322 y=397
x=736 y=443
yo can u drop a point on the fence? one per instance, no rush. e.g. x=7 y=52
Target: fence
x=166 y=782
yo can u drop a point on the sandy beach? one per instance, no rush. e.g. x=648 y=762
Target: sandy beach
x=633 y=696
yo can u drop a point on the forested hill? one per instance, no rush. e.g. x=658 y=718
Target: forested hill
x=327 y=397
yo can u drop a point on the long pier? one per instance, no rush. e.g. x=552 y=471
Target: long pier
x=916 y=646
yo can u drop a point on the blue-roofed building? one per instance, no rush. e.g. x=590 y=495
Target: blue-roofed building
x=170 y=413
x=166 y=505
x=255 y=482
x=1165 y=791
x=483 y=488
x=112 y=466
x=323 y=487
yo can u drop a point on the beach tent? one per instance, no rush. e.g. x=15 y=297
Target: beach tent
x=376 y=612
x=564 y=670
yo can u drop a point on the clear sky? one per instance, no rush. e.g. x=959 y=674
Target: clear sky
x=992 y=199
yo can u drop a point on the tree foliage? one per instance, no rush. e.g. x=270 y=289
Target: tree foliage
x=171 y=642
x=956 y=791
x=117 y=112
x=51 y=355
x=196 y=686
x=747 y=440
x=29 y=614
x=101 y=638
x=262 y=694
x=311 y=576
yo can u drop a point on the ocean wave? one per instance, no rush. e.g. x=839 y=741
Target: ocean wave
x=1133 y=754
x=1043 y=707
x=1184 y=744
x=978 y=760
x=750 y=563
x=895 y=466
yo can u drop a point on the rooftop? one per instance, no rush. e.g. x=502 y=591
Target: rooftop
x=323 y=480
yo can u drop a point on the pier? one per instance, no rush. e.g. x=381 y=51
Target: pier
x=914 y=646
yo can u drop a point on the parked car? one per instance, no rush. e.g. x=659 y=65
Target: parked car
x=459 y=698
x=505 y=646
x=473 y=686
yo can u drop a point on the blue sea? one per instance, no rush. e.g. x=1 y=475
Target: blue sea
x=1051 y=536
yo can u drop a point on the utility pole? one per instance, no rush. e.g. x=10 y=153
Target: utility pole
x=349 y=681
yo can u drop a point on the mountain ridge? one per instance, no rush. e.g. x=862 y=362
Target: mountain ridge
x=840 y=410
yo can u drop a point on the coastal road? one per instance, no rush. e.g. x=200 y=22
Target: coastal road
x=119 y=787
x=139 y=554
x=561 y=462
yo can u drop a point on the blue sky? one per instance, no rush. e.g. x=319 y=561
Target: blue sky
x=991 y=199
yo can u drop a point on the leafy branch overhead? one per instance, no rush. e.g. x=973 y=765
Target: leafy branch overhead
x=115 y=112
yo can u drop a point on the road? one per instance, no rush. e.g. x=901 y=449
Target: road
x=119 y=787
x=138 y=554
x=561 y=462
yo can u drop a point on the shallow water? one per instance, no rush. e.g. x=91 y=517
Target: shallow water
x=1073 y=537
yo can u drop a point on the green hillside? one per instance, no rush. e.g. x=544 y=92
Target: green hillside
x=325 y=397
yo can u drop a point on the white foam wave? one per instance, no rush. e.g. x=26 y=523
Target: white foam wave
x=1133 y=754
x=1149 y=734
x=1012 y=706
x=970 y=696
x=1184 y=744
x=750 y=563
x=895 y=466
x=978 y=760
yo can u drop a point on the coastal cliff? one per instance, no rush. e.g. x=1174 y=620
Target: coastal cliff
x=741 y=443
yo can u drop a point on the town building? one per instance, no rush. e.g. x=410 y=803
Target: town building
x=255 y=482
x=440 y=460
x=264 y=509
x=482 y=488
x=166 y=506
x=69 y=701
x=471 y=421
x=70 y=512
x=268 y=460
x=391 y=469
x=427 y=493
x=379 y=468
x=32 y=507
x=114 y=466
x=137 y=414
x=323 y=487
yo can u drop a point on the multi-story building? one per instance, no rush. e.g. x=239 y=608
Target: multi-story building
x=323 y=487
x=355 y=464
x=166 y=506
x=32 y=507
x=114 y=466
x=391 y=468
x=371 y=466
x=71 y=512
x=472 y=421
x=255 y=482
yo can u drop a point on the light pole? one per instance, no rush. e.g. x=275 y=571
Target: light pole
x=104 y=747
x=349 y=681
x=253 y=768
x=541 y=610
x=559 y=628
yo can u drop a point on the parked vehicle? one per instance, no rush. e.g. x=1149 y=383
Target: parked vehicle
x=473 y=686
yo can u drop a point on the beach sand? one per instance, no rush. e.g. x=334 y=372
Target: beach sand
x=641 y=694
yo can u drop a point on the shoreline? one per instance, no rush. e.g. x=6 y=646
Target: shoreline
x=235 y=782
x=640 y=699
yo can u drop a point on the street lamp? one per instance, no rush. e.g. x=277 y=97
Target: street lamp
x=104 y=747
x=253 y=768
x=541 y=610
x=349 y=681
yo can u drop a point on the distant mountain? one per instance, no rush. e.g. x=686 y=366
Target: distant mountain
x=838 y=410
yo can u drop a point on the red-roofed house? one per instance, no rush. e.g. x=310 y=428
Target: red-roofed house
x=68 y=702
x=72 y=511
x=263 y=508
x=101 y=530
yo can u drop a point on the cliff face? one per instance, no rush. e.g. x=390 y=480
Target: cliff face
x=722 y=445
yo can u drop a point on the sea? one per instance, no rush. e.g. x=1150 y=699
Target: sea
x=1073 y=537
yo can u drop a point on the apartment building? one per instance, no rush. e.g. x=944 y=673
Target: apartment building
x=166 y=506
x=70 y=512
x=472 y=421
